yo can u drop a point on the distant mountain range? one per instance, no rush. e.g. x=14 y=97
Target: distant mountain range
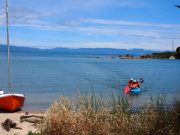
x=103 y=51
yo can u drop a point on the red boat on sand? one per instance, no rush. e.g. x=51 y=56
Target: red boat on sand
x=11 y=102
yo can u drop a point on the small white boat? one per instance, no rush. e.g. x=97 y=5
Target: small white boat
x=171 y=57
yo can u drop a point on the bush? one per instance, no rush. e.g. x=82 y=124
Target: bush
x=95 y=116
x=178 y=53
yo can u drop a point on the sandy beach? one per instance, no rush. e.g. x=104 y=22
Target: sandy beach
x=15 y=117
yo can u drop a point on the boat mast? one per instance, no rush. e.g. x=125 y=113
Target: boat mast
x=172 y=46
x=8 y=49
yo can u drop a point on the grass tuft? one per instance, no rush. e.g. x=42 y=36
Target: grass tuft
x=91 y=115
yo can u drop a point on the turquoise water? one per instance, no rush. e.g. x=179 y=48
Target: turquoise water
x=44 y=77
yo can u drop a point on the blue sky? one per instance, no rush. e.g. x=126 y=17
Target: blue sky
x=147 y=24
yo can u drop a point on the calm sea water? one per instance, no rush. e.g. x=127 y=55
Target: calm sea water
x=44 y=77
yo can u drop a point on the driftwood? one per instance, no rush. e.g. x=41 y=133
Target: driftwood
x=8 y=124
x=31 y=118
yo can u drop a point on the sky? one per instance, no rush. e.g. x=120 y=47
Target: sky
x=127 y=24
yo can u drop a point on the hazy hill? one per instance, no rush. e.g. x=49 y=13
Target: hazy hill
x=102 y=51
x=106 y=51
x=3 y=48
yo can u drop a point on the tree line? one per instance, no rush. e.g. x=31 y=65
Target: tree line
x=163 y=55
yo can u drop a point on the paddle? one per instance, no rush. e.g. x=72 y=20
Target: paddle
x=141 y=80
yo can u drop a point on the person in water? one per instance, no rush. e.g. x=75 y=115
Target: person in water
x=133 y=84
x=130 y=81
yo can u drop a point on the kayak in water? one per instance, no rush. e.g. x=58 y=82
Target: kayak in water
x=133 y=86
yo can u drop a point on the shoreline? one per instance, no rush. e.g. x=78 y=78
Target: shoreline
x=24 y=111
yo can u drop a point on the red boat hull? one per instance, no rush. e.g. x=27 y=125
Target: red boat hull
x=11 y=102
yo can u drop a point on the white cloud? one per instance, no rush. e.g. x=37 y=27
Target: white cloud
x=92 y=6
x=123 y=33
x=136 y=38
x=112 y=28
x=18 y=15
x=127 y=23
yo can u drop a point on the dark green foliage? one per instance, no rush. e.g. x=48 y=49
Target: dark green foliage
x=163 y=55
x=178 y=53
x=178 y=49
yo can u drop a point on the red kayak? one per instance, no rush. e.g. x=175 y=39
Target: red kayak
x=126 y=89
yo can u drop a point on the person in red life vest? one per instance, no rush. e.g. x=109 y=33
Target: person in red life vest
x=137 y=84
x=130 y=83
x=133 y=84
